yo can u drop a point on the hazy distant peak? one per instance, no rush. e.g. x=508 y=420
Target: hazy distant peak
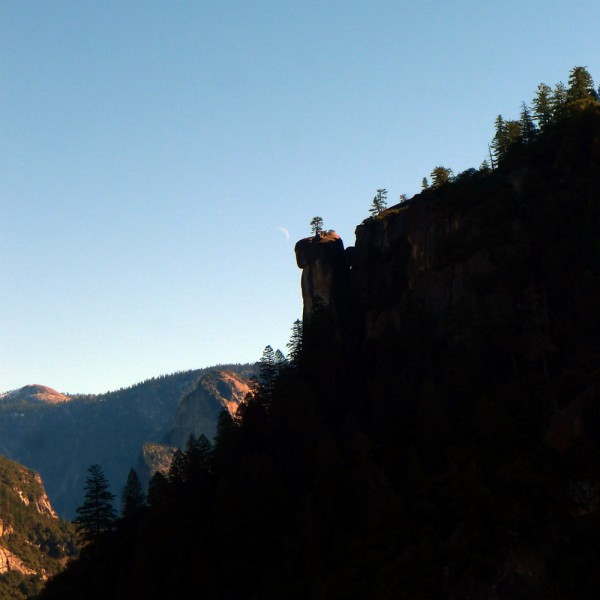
x=36 y=393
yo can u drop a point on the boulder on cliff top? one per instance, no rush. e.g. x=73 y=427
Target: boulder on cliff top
x=328 y=244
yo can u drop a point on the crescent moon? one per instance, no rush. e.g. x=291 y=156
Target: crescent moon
x=285 y=232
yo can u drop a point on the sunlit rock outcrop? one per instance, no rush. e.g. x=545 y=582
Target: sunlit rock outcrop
x=198 y=411
x=153 y=458
x=33 y=542
x=11 y=562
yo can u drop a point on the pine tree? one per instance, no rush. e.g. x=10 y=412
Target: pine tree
x=379 y=203
x=514 y=132
x=316 y=226
x=500 y=143
x=158 y=491
x=528 y=129
x=280 y=361
x=132 y=497
x=267 y=371
x=424 y=184
x=177 y=469
x=484 y=167
x=224 y=445
x=295 y=344
x=542 y=106
x=581 y=85
x=403 y=198
x=558 y=100
x=440 y=175
x=96 y=515
x=197 y=460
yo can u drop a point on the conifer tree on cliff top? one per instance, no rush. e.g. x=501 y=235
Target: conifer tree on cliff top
x=316 y=225
x=379 y=203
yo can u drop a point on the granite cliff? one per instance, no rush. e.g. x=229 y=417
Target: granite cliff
x=468 y=322
x=198 y=411
x=196 y=415
x=507 y=256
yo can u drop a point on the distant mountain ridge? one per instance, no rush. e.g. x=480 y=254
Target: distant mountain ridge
x=35 y=393
x=60 y=436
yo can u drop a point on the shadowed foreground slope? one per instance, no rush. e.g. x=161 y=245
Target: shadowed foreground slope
x=438 y=435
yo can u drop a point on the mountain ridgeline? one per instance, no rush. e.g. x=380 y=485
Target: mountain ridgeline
x=436 y=436
x=60 y=435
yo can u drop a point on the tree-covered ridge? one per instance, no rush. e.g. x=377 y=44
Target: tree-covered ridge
x=420 y=445
x=548 y=109
x=34 y=544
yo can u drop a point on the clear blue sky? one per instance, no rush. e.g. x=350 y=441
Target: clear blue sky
x=151 y=152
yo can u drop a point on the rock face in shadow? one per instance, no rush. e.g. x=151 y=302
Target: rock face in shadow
x=412 y=250
x=416 y=251
x=497 y=268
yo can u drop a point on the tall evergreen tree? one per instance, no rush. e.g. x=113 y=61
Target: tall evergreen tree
x=158 y=491
x=514 y=132
x=97 y=514
x=267 y=371
x=177 y=470
x=424 y=184
x=558 y=100
x=500 y=143
x=542 y=106
x=224 y=445
x=295 y=344
x=197 y=460
x=581 y=85
x=484 y=167
x=528 y=129
x=280 y=360
x=132 y=497
x=440 y=175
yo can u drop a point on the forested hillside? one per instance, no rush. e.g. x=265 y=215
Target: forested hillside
x=34 y=543
x=60 y=440
x=435 y=434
